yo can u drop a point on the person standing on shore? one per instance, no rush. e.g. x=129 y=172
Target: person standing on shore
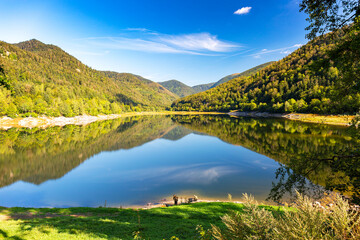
x=176 y=198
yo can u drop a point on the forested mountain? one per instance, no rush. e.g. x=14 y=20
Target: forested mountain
x=246 y=73
x=300 y=82
x=202 y=87
x=179 y=88
x=40 y=79
x=139 y=88
x=183 y=90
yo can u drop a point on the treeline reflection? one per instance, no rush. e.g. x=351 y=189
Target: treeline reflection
x=305 y=152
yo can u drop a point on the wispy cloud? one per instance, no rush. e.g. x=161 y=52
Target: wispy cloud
x=284 y=50
x=144 y=40
x=198 y=42
x=138 y=29
x=142 y=30
x=298 y=45
x=238 y=53
x=193 y=173
x=243 y=10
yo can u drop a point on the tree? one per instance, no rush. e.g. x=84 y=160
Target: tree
x=346 y=58
x=329 y=15
x=3 y=80
x=343 y=60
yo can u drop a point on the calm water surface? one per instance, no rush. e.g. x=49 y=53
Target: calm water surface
x=133 y=161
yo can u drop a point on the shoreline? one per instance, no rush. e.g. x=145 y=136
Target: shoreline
x=339 y=120
x=160 y=204
x=44 y=122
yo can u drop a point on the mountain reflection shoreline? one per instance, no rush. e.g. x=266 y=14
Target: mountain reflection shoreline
x=38 y=155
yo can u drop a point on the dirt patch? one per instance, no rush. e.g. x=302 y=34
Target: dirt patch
x=4 y=218
x=28 y=215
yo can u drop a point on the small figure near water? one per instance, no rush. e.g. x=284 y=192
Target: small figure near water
x=194 y=199
x=176 y=198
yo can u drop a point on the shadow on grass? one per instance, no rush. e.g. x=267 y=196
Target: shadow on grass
x=110 y=223
x=5 y=235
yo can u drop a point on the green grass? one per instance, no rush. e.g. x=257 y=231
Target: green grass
x=112 y=223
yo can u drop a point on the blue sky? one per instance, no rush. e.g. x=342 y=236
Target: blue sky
x=193 y=41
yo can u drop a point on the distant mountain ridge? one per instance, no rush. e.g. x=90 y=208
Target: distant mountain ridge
x=203 y=87
x=42 y=79
x=179 y=88
x=246 y=73
x=183 y=90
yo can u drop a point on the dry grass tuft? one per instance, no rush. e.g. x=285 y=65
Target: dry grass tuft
x=308 y=221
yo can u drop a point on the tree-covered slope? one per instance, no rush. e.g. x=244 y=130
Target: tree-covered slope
x=297 y=83
x=183 y=90
x=246 y=73
x=40 y=79
x=179 y=88
x=202 y=87
x=138 y=88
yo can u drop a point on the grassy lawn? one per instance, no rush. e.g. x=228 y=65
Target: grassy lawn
x=112 y=223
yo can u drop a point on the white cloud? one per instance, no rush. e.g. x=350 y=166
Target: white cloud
x=195 y=44
x=238 y=53
x=141 y=30
x=198 y=42
x=298 y=45
x=138 y=29
x=243 y=10
x=284 y=50
x=194 y=173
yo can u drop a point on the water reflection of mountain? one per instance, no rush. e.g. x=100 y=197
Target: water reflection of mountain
x=296 y=145
x=177 y=133
x=37 y=155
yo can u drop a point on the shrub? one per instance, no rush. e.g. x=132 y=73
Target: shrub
x=305 y=221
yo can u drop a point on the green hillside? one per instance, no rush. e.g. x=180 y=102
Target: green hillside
x=297 y=83
x=202 y=87
x=183 y=90
x=179 y=88
x=141 y=89
x=40 y=79
x=246 y=73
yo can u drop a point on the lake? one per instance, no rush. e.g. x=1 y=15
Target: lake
x=136 y=160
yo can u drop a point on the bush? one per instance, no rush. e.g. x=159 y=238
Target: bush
x=306 y=221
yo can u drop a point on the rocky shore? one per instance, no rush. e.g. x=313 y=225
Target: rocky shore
x=44 y=122
x=31 y=122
